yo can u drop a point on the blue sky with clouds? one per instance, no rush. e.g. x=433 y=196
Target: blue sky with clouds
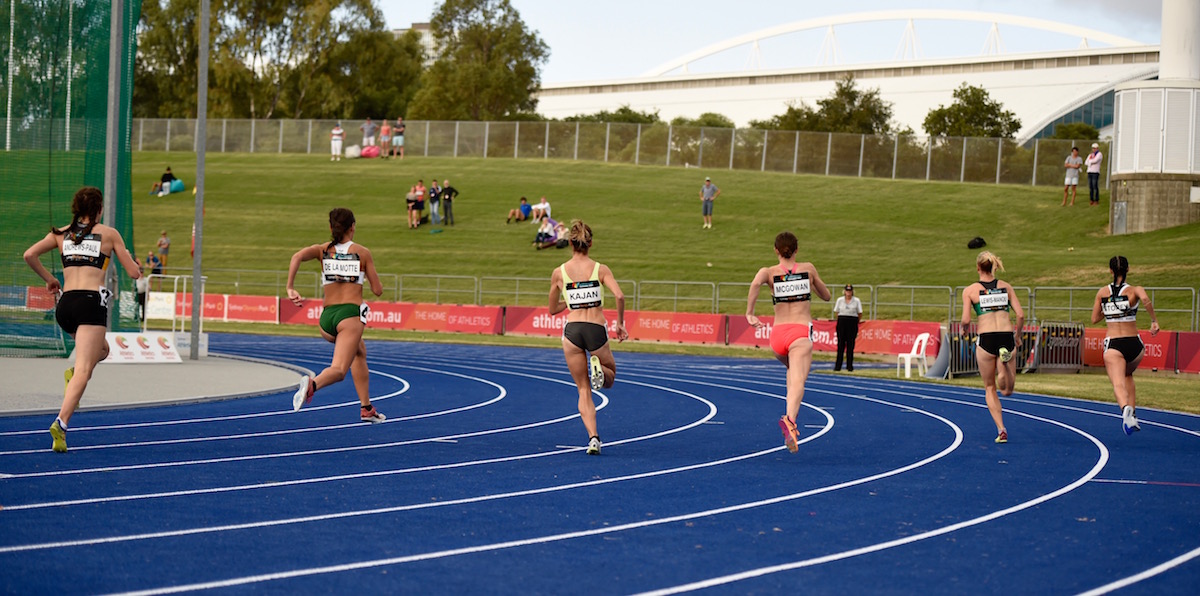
x=595 y=40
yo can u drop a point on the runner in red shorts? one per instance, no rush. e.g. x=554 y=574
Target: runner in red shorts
x=792 y=285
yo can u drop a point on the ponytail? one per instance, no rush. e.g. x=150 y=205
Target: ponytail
x=340 y=222
x=580 y=236
x=1120 y=268
x=989 y=262
x=88 y=202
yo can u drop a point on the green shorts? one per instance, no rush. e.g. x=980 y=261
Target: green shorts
x=336 y=313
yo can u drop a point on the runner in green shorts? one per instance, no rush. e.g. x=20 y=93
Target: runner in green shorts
x=344 y=267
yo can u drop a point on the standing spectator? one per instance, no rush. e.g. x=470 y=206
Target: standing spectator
x=418 y=204
x=164 y=248
x=368 y=129
x=155 y=267
x=521 y=213
x=542 y=208
x=410 y=201
x=708 y=193
x=448 y=194
x=848 y=310
x=1093 y=166
x=385 y=138
x=1074 y=162
x=142 y=285
x=435 y=202
x=398 y=137
x=336 y=136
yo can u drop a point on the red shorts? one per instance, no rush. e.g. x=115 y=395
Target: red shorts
x=783 y=336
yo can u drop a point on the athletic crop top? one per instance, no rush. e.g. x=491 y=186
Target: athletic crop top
x=991 y=298
x=341 y=266
x=790 y=287
x=1116 y=308
x=85 y=253
x=582 y=294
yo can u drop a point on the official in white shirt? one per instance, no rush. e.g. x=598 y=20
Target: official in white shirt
x=848 y=310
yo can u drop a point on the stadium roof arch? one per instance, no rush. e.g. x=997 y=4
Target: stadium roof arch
x=1042 y=88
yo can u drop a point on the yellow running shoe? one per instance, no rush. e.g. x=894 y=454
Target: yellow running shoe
x=67 y=374
x=60 y=437
x=595 y=373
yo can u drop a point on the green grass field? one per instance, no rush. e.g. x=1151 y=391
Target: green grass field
x=261 y=208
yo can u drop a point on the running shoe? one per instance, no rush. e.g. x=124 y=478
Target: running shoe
x=67 y=375
x=304 y=394
x=370 y=414
x=1005 y=355
x=594 y=446
x=1002 y=437
x=595 y=373
x=791 y=434
x=60 y=437
x=1129 y=422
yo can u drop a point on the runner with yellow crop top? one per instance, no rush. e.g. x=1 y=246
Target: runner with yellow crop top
x=82 y=310
x=792 y=285
x=991 y=300
x=586 y=331
x=344 y=267
x=1117 y=304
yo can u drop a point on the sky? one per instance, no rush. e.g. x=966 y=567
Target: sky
x=593 y=40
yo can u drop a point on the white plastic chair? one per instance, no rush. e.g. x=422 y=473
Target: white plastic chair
x=917 y=354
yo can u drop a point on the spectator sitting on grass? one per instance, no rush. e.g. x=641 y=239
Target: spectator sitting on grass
x=521 y=213
x=542 y=208
x=163 y=186
x=550 y=234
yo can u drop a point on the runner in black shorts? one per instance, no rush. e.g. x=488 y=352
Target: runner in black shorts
x=344 y=267
x=1117 y=304
x=991 y=300
x=579 y=285
x=82 y=311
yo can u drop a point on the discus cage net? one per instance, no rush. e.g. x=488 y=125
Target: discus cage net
x=54 y=80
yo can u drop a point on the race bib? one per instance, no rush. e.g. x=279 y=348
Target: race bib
x=993 y=300
x=790 y=287
x=86 y=249
x=1115 y=306
x=344 y=268
x=583 y=294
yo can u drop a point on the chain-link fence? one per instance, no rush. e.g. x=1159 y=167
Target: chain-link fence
x=953 y=159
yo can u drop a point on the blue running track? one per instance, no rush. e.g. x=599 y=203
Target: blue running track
x=478 y=483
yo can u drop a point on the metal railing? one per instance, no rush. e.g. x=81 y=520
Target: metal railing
x=955 y=159
x=1178 y=308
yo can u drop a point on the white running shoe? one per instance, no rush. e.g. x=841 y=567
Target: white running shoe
x=594 y=446
x=304 y=393
x=370 y=414
x=1129 y=422
x=595 y=373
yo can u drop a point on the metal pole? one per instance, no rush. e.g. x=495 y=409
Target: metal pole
x=862 y=149
x=895 y=156
x=12 y=21
x=828 y=153
x=487 y=129
x=224 y=121
x=426 y=138
x=546 y=143
x=516 y=139
x=281 y=122
x=112 y=142
x=669 y=130
x=168 y=134
x=928 y=157
x=763 y=166
x=309 y=149
x=1035 y=152
x=637 y=149
x=962 y=172
x=607 y=136
x=796 y=153
x=576 y=157
x=700 y=157
x=70 y=55
x=202 y=127
x=141 y=131
x=732 y=142
x=456 y=123
x=999 y=155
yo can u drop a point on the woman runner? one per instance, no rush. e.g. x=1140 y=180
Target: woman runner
x=992 y=299
x=82 y=310
x=1118 y=303
x=586 y=331
x=792 y=285
x=344 y=266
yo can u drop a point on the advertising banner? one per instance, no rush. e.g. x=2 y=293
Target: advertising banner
x=1160 y=349
x=1188 y=347
x=533 y=320
x=874 y=337
x=38 y=298
x=252 y=309
x=13 y=296
x=127 y=348
x=693 y=328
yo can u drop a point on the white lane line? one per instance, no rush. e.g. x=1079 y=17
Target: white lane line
x=1147 y=574
x=270 y=433
x=442 y=441
x=78 y=429
x=394 y=509
x=752 y=573
x=569 y=535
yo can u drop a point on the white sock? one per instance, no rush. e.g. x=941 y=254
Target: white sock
x=61 y=423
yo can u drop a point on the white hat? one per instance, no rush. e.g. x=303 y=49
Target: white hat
x=1095 y=145
x=707 y=179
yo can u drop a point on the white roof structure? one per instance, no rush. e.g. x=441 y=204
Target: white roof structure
x=1038 y=87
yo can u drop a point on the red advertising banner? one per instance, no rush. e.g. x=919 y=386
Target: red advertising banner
x=874 y=337
x=404 y=315
x=252 y=309
x=214 y=306
x=38 y=298
x=1160 y=349
x=534 y=320
x=1188 y=346
x=641 y=325
x=307 y=314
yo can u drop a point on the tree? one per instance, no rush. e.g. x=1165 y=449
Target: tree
x=973 y=114
x=487 y=65
x=706 y=120
x=848 y=109
x=624 y=114
x=1077 y=131
x=166 y=69
x=373 y=74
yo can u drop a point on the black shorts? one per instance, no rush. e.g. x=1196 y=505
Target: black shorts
x=1130 y=347
x=586 y=336
x=419 y=205
x=992 y=341
x=82 y=307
